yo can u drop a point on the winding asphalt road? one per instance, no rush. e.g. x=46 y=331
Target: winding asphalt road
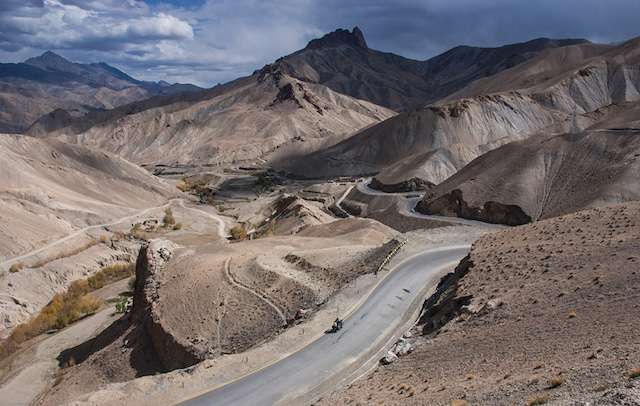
x=412 y=199
x=336 y=356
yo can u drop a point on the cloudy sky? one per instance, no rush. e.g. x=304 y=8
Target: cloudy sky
x=211 y=41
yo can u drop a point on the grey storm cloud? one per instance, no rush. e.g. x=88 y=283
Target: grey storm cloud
x=209 y=41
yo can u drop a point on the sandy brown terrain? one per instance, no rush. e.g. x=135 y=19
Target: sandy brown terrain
x=59 y=204
x=539 y=312
x=33 y=369
x=86 y=384
x=49 y=189
x=260 y=117
x=259 y=253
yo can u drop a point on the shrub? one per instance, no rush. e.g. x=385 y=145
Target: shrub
x=132 y=283
x=634 y=373
x=110 y=274
x=192 y=184
x=238 y=233
x=96 y=281
x=556 y=381
x=168 y=220
x=17 y=267
x=64 y=309
x=67 y=307
x=538 y=400
x=123 y=305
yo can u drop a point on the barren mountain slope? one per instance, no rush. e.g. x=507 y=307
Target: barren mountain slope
x=439 y=139
x=49 y=189
x=539 y=314
x=48 y=82
x=342 y=61
x=542 y=177
x=266 y=115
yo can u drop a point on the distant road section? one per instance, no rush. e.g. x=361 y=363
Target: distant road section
x=336 y=356
x=412 y=201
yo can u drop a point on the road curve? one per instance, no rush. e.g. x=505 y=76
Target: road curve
x=412 y=199
x=222 y=233
x=332 y=355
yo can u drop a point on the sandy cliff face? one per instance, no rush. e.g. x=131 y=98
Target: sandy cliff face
x=438 y=139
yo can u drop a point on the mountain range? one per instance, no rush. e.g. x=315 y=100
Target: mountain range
x=340 y=63
x=42 y=84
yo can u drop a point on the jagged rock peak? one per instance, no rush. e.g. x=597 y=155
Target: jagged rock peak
x=339 y=37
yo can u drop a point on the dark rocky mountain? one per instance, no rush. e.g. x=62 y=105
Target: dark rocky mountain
x=342 y=61
x=48 y=82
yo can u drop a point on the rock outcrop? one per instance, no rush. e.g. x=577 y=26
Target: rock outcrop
x=152 y=261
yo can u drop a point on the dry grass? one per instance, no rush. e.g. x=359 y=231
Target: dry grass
x=64 y=254
x=460 y=402
x=634 y=373
x=539 y=399
x=192 y=185
x=238 y=233
x=66 y=308
x=177 y=226
x=168 y=221
x=556 y=381
x=110 y=274
x=63 y=310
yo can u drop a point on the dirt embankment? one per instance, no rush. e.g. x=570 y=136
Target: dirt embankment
x=544 y=312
